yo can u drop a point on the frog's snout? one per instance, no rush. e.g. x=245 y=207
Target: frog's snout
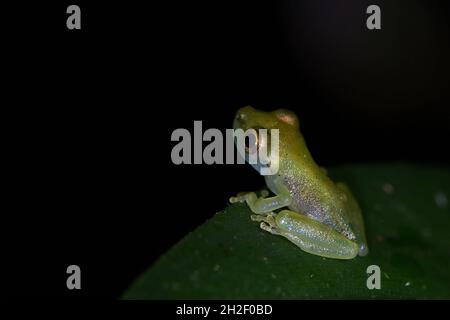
x=242 y=116
x=239 y=120
x=239 y=117
x=237 y=123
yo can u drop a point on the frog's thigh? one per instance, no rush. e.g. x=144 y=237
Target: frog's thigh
x=264 y=205
x=314 y=237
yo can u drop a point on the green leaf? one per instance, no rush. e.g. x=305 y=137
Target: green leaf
x=229 y=257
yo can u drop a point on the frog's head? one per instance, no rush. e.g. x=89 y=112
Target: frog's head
x=251 y=118
x=284 y=121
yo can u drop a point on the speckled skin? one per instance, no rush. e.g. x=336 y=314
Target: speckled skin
x=334 y=225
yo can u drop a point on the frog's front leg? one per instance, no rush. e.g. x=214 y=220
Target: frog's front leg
x=310 y=235
x=263 y=205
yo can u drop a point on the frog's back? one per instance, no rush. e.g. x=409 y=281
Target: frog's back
x=315 y=195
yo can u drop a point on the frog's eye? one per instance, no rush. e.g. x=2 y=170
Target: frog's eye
x=251 y=141
x=240 y=116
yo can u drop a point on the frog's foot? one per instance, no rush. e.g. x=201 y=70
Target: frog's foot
x=259 y=217
x=267 y=222
x=264 y=193
x=245 y=196
x=241 y=197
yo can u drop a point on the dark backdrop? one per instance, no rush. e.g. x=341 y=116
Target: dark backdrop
x=88 y=116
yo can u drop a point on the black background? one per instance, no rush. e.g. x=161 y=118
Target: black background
x=87 y=116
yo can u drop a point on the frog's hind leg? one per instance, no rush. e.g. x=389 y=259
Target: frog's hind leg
x=310 y=235
x=356 y=218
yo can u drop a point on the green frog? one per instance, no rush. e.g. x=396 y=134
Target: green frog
x=319 y=216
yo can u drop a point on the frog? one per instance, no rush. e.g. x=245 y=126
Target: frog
x=301 y=203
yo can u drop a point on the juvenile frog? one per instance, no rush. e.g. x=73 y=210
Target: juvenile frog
x=319 y=216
